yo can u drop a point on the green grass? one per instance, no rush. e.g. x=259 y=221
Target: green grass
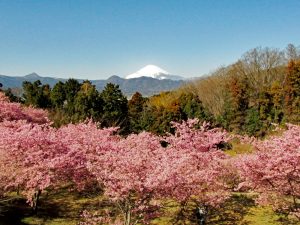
x=238 y=149
x=261 y=216
x=54 y=221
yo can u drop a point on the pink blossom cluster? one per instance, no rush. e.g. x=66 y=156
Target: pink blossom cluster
x=137 y=170
x=37 y=156
x=273 y=170
x=15 y=111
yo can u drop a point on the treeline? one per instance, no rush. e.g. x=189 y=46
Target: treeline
x=73 y=102
x=260 y=89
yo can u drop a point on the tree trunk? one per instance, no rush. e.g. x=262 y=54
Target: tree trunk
x=128 y=217
x=201 y=215
x=35 y=200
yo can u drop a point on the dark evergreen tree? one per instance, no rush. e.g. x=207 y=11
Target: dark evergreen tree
x=135 y=110
x=87 y=103
x=37 y=94
x=58 y=95
x=13 y=98
x=115 y=108
x=192 y=107
x=71 y=86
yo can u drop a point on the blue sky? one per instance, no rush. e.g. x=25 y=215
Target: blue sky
x=96 y=39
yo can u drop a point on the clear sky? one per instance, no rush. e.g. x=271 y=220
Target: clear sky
x=96 y=39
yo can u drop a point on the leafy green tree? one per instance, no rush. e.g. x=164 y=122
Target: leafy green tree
x=227 y=114
x=265 y=105
x=238 y=102
x=148 y=117
x=30 y=94
x=156 y=119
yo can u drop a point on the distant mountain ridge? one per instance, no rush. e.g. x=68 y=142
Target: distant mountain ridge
x=147 y=86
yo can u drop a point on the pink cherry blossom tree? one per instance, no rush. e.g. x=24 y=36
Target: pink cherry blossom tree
x=14 y=118
x=26 y=149
x=197 y=170
x=273 y=170
x=129 y=174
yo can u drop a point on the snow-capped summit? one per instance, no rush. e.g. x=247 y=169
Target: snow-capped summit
x=154 y=72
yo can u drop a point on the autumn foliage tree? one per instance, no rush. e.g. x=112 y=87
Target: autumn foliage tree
x=292 y=91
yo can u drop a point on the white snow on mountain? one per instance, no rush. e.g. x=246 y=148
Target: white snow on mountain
x=154 y=72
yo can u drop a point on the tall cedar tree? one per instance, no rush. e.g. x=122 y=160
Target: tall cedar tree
x=115 y=108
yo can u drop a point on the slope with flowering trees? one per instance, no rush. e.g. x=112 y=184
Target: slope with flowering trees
x=136 y=171
x=82 y=142
x=139 y=171
x=273 y=171
x=38 y=157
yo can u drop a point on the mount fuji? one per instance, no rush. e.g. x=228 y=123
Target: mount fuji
x=153 y=72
